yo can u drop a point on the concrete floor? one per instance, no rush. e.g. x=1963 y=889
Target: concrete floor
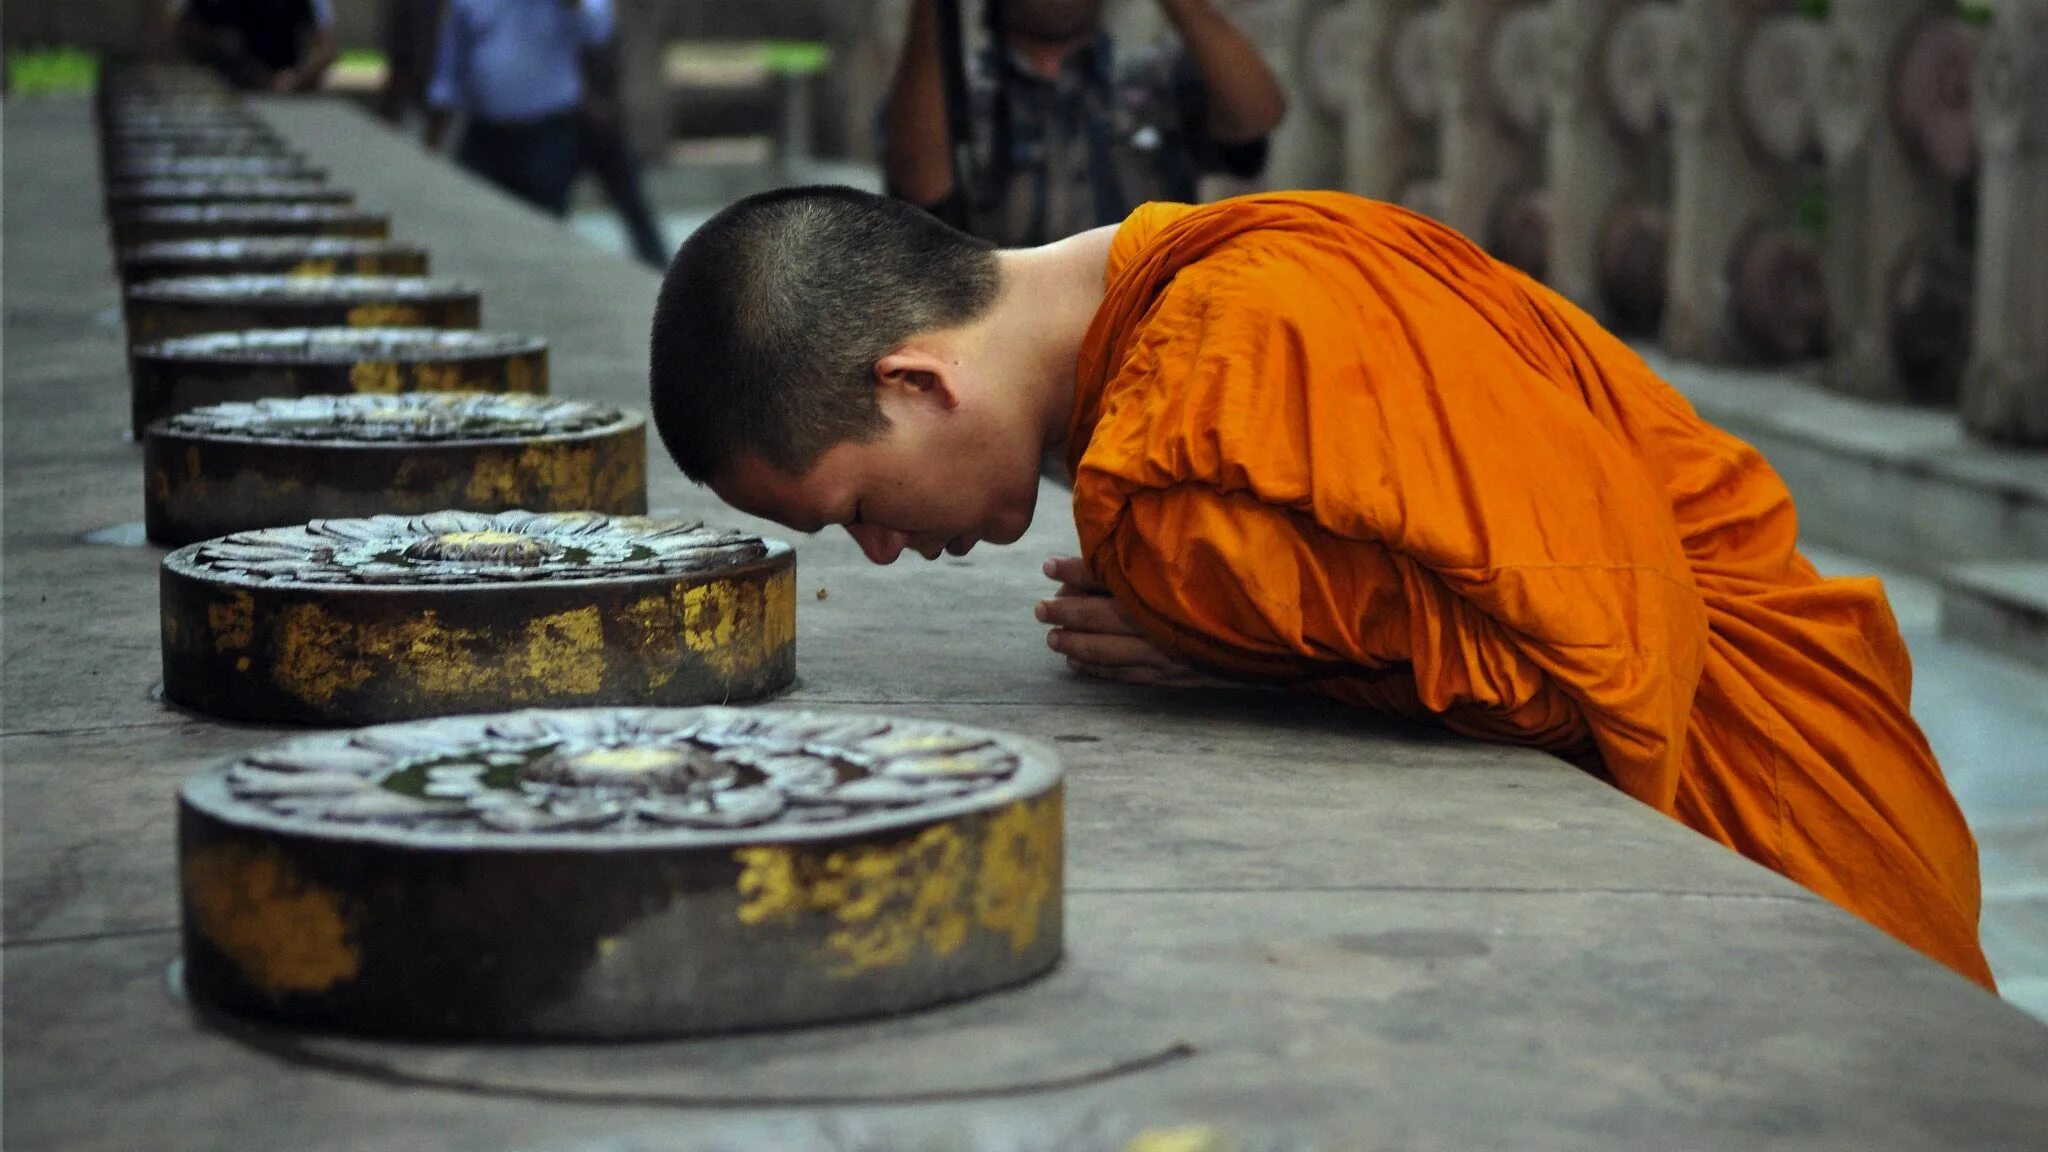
x=1302 y=925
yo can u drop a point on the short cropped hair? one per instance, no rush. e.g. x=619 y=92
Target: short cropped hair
x=773 y=314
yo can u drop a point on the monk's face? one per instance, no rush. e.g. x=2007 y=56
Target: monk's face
x=1053 y=21
x=940 y=481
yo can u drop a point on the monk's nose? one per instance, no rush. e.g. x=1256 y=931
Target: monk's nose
x=880 y=545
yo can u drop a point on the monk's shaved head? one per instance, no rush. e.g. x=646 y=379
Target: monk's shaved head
x=773 y=315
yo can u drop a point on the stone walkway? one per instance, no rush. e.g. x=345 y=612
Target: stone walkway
x=1291 y=921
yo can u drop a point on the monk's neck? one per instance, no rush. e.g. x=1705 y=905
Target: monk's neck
x=1048 y=301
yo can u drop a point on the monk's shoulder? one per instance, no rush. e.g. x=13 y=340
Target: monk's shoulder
x=1251 y=284
x=1140 y=229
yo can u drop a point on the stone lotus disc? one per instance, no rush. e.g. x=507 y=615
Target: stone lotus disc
x=395 y=617
x=190 y=305
x=226 y=121
x=132 y=226
x=163 y=117
x=617 y=873
x=122 y=142
x=216 y=168
x=116 y=154
x=293 y=255
x=174 y=376
x=218 y=125
x=278 y=462
x=126 y=194
x=125 y=89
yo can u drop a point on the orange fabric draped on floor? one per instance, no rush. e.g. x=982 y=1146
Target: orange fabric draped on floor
x=1323 y=440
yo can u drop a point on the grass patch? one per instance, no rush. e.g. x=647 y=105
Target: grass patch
x=46 y=71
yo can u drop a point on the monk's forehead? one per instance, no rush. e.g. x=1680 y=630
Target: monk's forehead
x=758 y=488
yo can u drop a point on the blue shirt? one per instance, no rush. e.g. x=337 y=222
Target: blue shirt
x=516 y=59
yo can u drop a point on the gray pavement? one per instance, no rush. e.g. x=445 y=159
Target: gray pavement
x=1293 y=922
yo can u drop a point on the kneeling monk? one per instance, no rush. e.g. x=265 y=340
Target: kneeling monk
x=1321 y=441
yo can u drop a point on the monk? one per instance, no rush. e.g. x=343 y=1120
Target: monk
x=1326 y=443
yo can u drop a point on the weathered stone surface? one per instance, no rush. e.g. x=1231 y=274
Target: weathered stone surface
x=1369 y=934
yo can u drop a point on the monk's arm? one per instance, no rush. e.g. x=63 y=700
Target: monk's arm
x=1244 y=100
x=1258 y=592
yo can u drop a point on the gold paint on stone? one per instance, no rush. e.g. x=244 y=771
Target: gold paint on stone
x=233 y=624
x=1187 y=1138
x=283 y=933
x=386 y=315
x=321 y=657
x=1020 y=869
x=890 y=900
x=431 y=376
x=374 y=376
x=566 y=473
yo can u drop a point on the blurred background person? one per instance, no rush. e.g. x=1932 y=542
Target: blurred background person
x=516 y=70
x=256 y=45
x=1070 y=132
x=539 y=80
x=409 y=30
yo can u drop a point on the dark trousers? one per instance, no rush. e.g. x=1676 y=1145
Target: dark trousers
x=535 y=160
x=610 y=158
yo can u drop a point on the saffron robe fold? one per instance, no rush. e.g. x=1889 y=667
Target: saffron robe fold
x=1325 y=441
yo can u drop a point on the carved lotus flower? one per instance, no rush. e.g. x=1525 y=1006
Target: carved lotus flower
x=410 y=416
x=477 y=547
x=716 y=769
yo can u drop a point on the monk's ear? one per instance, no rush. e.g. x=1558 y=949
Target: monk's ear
x=914 y=373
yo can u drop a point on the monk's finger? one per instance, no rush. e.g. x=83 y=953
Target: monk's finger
x=1073 y=571
x=1086 y=614
x=1095 y=648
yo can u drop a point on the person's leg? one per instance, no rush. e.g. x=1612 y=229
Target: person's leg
x=607 y=154
x=551 y=161
x=517 y=156
x=483 y=151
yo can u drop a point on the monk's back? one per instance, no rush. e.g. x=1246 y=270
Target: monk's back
x=1579 y=561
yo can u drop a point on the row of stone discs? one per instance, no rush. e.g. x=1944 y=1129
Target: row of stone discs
x=548 y=873
x=157 y=310
x=315 y=255
x=288 y=398
x=227 y=468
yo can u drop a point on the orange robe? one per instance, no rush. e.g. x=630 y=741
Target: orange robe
x=1323 y=440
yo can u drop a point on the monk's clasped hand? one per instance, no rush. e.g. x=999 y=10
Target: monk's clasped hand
x=1098 y=638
